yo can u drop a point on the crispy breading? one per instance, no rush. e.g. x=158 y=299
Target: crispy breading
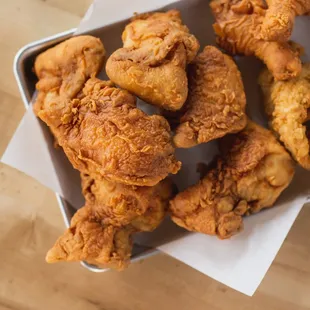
x=89 y=240
x=116 y=147
x=280 y=17
x=98 y=125
x=216 y=101
x=104 y=132
x=63 y=70
x=119 y=205
x=157 y=47
x=250 y=175
x=100 y=232
x=287 y=105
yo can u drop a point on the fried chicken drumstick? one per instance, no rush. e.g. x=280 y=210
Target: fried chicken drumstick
x=279 y=20
x=98 y=125
x=238 y=27
x=216 y=101
x=250 y=175
x=287 y=105
x=151 y=64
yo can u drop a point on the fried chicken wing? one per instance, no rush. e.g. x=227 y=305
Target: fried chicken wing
x=250 y=175
x=90 y=240
x=119 y=205
x=238 y=27
x=216 y=101
x=288 y=107
x=157 y=47
x=279 y=20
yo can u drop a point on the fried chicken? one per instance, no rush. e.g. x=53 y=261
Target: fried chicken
x=90 y=240
x=288 y=107
x=119 y=205
x=250 y=175
x=238 y=27
x=99 y=126
x=64 y=69
x=279 y=20
x=216 y=101
x=102 y=131
x=109 y=140
x=100 y=232
x=157 y=47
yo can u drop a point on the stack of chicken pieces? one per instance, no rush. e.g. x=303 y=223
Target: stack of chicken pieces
x=125 y=155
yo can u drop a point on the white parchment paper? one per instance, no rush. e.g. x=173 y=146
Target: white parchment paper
x=241 y=262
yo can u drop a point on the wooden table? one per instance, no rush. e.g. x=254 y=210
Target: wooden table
x=30 y=221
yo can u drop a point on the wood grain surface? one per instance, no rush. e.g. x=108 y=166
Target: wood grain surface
x=30 y=221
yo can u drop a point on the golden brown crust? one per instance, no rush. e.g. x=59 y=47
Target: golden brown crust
x=105 y=133
x=64 y=69
x=238 y=27
x=216 y=102
x=120 y=205
x=100 y=129
x=287 y=105
x=89 y=240
x=100 y=232
x=253 y=171
x=151 y=64
x=280 y=17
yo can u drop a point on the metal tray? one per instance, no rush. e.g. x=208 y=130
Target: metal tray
x=26 y=80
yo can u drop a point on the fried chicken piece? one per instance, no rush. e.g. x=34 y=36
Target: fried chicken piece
x=250 y=175
x=90 y=240
x=104 y=132
x=216 y=101
x=279 y=20
x=100 y=232
x=63 y=70
x=287 y=105
x=238 y=27
x=157 y=47
x=120 y=205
